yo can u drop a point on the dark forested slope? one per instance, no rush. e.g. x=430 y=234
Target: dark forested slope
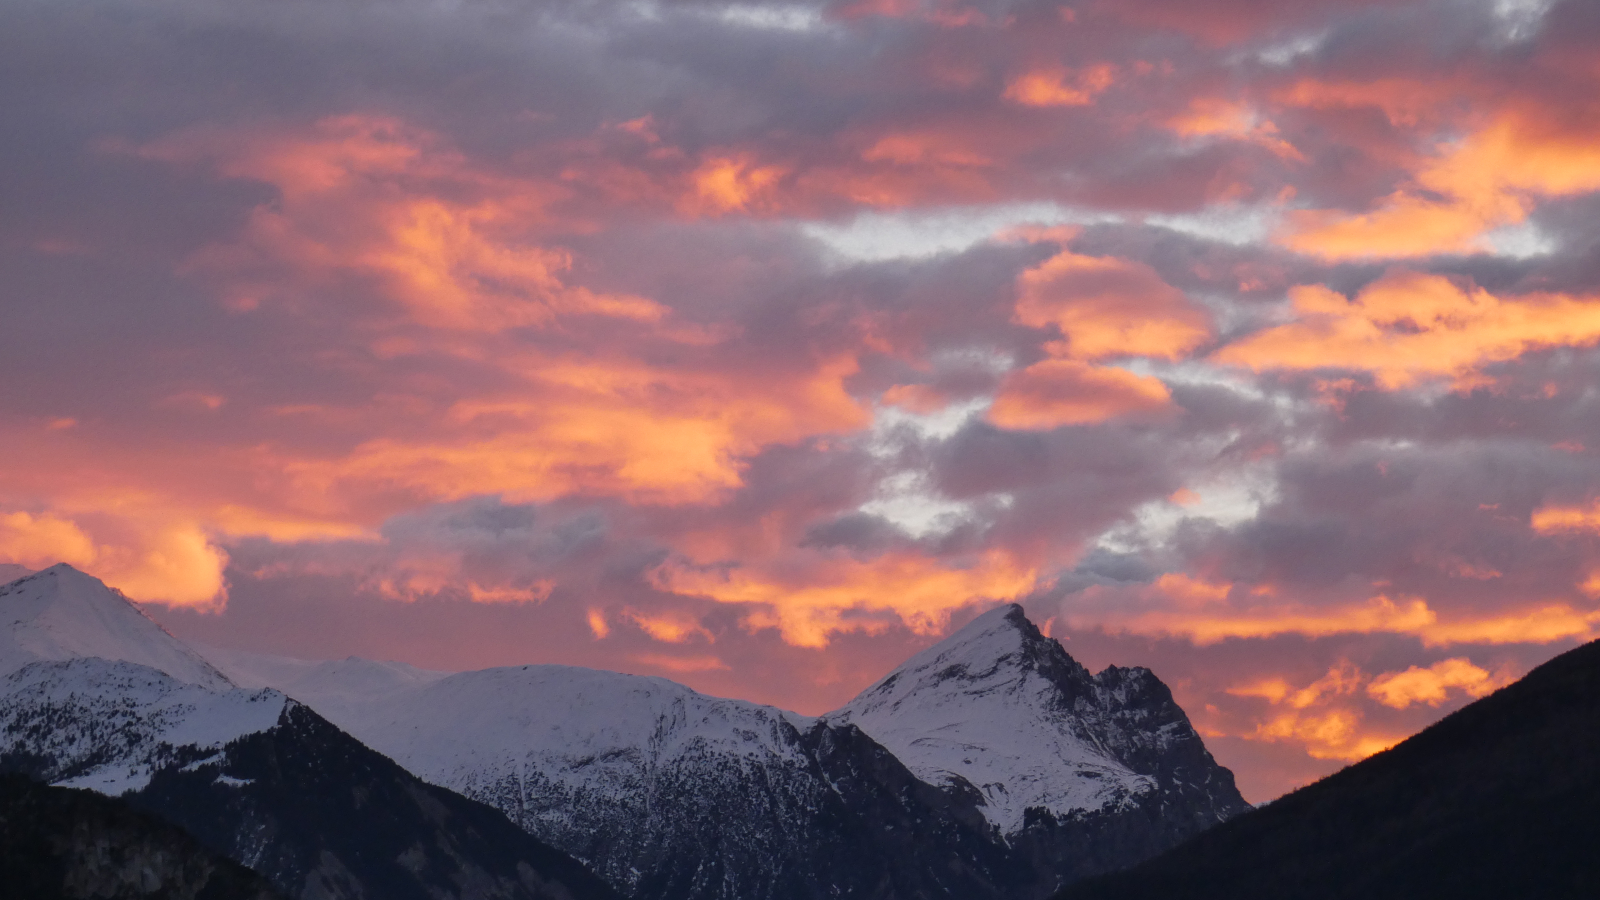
x=1499 y=800
x=63 y=844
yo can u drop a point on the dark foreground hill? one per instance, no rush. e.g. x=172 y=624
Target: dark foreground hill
x=1499 y=800
x=63 y=844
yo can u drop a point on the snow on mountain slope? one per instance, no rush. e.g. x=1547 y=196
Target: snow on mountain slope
x=340 y=688
x=109 y=725
x=61 y=614
x=1001 y=708
x=562 y=718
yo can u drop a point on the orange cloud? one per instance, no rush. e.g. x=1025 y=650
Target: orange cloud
x=613 y=427
x=1432 y=685
x=455 y=246
x=597 y=624
x=1058 y=392
x=40 y=541
x=1107 y=307
x=1329 y=734
x=811 y=601
x=1205 y=612
x=1409 y=326
x=1551 y=519
x=149 y=554
x=1222 y=117
x=1210 y=624
x=726 y=184
x=1321 y=716
x=1488 y=179
x=1059 y=87
x=668 y=626
x=925 y=148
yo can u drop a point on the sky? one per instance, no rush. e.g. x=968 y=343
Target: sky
x=760 y=345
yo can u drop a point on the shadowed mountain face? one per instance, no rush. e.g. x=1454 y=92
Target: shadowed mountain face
x=63 y=844
x=96 y=695
x=1499 y=800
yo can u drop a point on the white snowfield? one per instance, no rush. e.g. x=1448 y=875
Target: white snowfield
x=107 y=695
x=969 y=709
x=61 y=613
x=108 y=726
x=581 y=734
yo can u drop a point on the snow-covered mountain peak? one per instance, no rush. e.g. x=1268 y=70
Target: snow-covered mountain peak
x=109 y=725
x=61 y=613
x=1002 y=709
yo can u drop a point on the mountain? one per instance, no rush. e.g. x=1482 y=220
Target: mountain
x=991 y=765
x=1079 y=773
x=62 y=844
x=668 y=793
x=61 y=614
x=256 y=776
x=1497 y=800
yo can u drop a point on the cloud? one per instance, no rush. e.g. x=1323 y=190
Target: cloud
x=150 y=558
x=1106 y=307
x=1431 y=685
x=1488 y=179
x=1058 y=87
x=1058 y=392
x=478 y=336
x=812 y=598
x=1410 y=326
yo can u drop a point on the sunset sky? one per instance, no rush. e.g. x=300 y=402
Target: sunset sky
x=759 y=345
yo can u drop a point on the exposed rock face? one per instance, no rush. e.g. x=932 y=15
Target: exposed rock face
x=62 y=844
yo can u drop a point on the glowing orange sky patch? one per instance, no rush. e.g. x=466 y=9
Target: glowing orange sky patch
x=726 y=184
x=1408 y=327
x=39 y=541
x=1058 y=392
x=1109 y=307
x=1059 y=87
x=668 y=626
x=605 y=427
x=1324 y=716
x=1432 y=685
x=809 y=602
x=1227 y=118
x=1552 y=519
x=1179 y=605
x=1489 y=179
x=1208 y=625
x=153 y=555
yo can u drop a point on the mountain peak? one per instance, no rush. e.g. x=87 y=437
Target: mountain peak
x=1000 y=709
x=61 y=613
